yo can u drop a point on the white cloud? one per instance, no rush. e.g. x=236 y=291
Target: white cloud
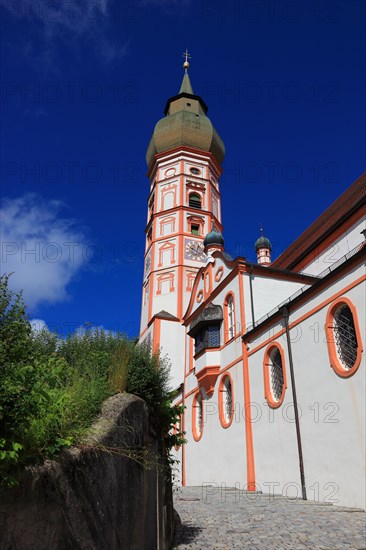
x=38 y=325
x=45 y=252
x=61 y=24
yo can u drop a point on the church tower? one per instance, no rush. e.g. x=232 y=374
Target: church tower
x=184 y=160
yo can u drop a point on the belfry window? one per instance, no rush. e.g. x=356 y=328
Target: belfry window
x=343 y=337
x=195 y=201
x=195 y=229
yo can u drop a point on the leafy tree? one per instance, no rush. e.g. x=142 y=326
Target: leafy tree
x=51 y=389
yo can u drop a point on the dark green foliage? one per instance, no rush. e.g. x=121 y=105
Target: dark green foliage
x=52 y=389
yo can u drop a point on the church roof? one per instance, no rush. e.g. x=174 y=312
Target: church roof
x=166 y=315
x=214 y=237
x=186 y=86
x=332 y=218
x=185 y=124
x=262 y=242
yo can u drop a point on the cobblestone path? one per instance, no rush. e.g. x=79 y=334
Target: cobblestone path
x=234 y=519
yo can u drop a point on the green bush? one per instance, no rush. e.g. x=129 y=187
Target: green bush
x=52 y=389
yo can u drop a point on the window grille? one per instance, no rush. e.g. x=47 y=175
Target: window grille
x=228 y=399
x=230 y=316
x=194 y=200
x=208 y=337
x=345 y=336
x=199 y=409
x=213 y=336
x=277 y=380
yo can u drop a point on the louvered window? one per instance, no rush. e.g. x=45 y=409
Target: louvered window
x=345 y=336
x=276 y=374
x=194 y=200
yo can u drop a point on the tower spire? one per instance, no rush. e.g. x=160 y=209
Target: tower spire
x=186 y=86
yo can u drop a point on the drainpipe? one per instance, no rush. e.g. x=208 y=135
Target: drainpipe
x=285 y=314
x=251 y=294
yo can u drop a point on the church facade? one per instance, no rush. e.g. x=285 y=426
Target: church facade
x=268 y=357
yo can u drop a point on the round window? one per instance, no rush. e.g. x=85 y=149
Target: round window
x=343 y=337
x=274 y=375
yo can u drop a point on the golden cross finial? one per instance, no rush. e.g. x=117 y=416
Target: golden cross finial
x=187 y=56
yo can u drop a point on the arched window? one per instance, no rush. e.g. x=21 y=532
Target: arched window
x=226 y=401
x=343 y=337
x=195 y=200
x=229 y=318
x=274 y=375
x=197 y=416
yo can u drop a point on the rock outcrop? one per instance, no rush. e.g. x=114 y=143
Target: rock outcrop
x=97 y=496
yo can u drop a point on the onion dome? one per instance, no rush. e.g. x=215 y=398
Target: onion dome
x=262 y=242
x=185 y=124
x=214 y=238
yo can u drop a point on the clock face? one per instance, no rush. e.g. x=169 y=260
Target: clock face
x=195 y=251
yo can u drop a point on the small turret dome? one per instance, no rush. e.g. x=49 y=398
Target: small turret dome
x=263 y=242
x=214 y=238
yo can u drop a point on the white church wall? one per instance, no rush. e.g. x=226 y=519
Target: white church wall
x=332 y=409
x=190 y=382
x=219 y=457
x=274 y=436
x=144 y=310
x=267 y=294
x=167 y=302
x=172 y=345
x=333 y=423
x=336 y=250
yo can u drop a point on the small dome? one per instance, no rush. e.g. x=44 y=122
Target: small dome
x=263 y=242
x=215 y=238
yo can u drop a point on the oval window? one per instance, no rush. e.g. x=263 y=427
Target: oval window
x=226 y=401
x=274 y=375
x=343 y=337
x=195 y=171
x=197 y=417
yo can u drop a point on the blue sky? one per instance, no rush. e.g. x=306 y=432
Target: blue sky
x=84 y=82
